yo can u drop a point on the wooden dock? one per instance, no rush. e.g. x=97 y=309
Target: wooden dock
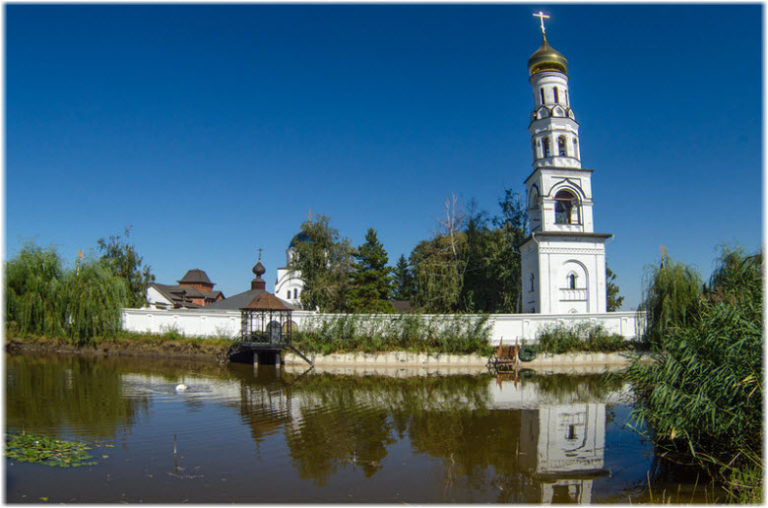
x=261 y=353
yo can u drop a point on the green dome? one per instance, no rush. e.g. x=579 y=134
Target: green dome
x=546 y=58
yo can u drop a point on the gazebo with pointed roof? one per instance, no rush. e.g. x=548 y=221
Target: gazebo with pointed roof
x=266 y=319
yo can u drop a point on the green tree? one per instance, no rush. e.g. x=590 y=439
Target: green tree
x=472 y=264
x=371 y=279
x=513 y=223
x=45 y=298
x=613 y=299
x=671 y=300
x=492 y=281
x=437 y=277
x=439 y=264
x=325 y=262
x=34 y=291
x=125 y=262
x=403 y=280
x=95 y=297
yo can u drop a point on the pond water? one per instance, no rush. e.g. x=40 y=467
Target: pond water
x=266 y=435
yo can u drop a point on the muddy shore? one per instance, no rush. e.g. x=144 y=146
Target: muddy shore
x=148 y=347
x=154 y=349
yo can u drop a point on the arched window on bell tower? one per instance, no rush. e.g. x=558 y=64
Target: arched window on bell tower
x=561 y=149
x=545 y=146
x=566 y=208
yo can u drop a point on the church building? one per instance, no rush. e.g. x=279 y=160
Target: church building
x=563 y=259
x=289 y=283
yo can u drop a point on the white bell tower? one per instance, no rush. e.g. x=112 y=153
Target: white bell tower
x=563 y=260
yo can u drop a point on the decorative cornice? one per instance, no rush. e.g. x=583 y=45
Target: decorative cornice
x=552 y=168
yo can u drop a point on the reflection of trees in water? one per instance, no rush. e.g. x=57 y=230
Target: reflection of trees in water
x=584 y=387
x=328 y=438
x=470 y=443
x=350 y=420
x=50 y=394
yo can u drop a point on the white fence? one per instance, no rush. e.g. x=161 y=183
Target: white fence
x=509 y=327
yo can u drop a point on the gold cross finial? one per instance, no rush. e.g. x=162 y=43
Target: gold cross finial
x=542 y=17
x=309 y=216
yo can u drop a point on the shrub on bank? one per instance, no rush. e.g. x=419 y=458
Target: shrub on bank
x=588 y=337
x=406 y=332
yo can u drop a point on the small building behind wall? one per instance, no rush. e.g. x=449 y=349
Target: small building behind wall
x=194 y=290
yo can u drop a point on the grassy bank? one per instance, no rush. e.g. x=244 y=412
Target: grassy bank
x=124 y=343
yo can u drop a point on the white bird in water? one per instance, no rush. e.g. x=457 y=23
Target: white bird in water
x=181 y=387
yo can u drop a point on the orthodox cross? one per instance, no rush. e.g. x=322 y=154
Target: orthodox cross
x=259 y=254
x=309 y=216
x=542 y=17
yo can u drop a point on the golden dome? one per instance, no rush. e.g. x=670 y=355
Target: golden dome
x=546 y=58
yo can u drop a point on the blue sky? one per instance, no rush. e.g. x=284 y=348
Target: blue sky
x=213 y=129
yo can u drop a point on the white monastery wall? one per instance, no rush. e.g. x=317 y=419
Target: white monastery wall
x=509 y=327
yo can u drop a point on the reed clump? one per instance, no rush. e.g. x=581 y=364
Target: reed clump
x=702 y=397
x=406 y=332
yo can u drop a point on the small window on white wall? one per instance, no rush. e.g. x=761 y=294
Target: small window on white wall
x=571 y=281
x=295 y=294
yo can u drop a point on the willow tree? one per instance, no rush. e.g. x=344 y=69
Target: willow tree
x=94 y=299
x=672 y=294
x=44 y=298
x=34 y=292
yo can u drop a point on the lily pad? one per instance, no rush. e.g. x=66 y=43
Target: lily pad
x=47 y=451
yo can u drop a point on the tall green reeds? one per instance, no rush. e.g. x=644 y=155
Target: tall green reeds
x=44 y=298
x=380 y=333
x=702 y=396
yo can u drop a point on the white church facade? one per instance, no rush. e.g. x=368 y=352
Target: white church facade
x=289 y=284
x=563 y=259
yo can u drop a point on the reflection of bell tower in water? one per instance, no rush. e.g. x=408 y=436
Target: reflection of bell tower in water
x=563 y=449
x=563 y=260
